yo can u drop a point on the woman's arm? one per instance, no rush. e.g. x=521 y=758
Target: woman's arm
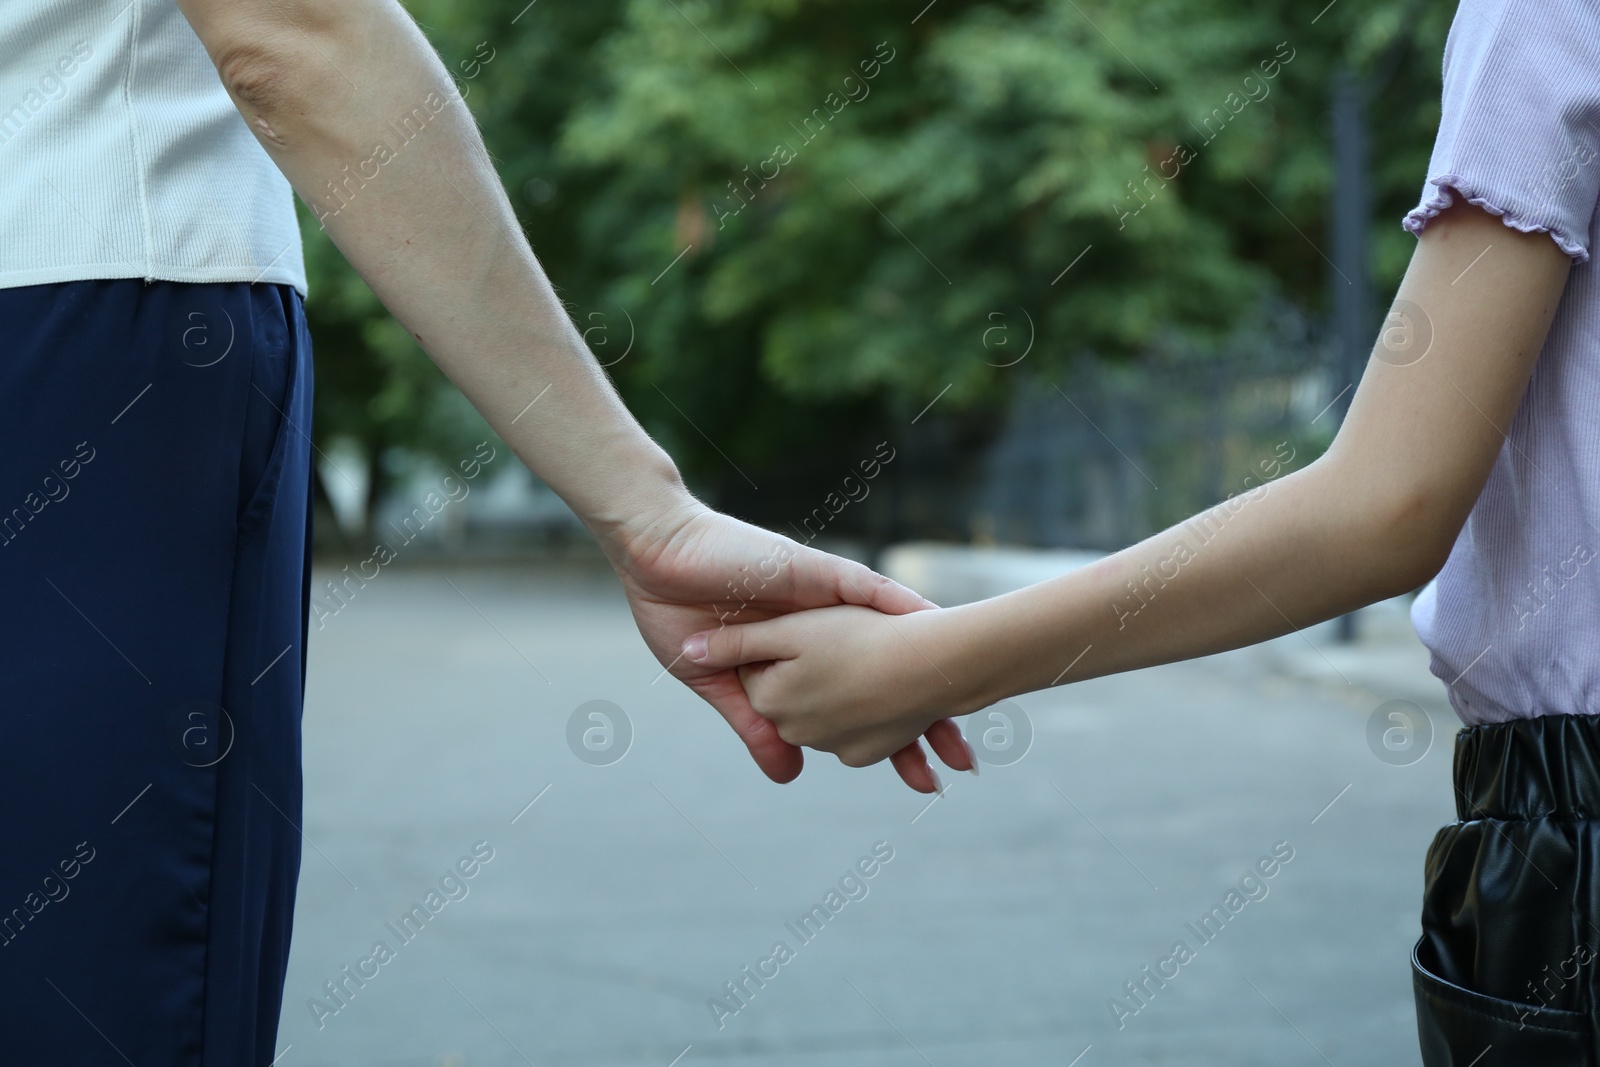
x=1372 y=518
x=351 y=103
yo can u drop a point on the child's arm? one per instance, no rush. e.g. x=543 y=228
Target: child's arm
x=1374 y=517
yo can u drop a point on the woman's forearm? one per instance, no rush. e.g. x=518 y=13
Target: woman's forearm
x=355 y=108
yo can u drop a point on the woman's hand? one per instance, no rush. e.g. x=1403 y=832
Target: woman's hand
x=689 y=570
x=846 y=680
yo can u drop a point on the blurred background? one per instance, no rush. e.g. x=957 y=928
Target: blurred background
x=1059 y=273
x=783 y=261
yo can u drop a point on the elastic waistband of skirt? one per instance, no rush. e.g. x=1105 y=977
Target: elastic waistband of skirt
x=1529 y=768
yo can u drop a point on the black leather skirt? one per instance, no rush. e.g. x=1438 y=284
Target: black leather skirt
x=1507 y=971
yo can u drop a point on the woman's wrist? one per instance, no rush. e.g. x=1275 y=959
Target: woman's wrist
x=643 y=514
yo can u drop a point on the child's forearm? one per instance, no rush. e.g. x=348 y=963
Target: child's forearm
x=1303 y=548
x=1290 y=553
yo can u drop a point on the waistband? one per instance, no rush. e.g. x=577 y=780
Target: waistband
x=1529 y=768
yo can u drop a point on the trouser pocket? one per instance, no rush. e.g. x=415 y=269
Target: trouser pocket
x=1460 y=1028
x=278 y=404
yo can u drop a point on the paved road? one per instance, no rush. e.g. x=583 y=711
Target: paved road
x=996 y=925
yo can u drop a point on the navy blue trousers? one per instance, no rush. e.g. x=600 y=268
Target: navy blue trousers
x=154 y=576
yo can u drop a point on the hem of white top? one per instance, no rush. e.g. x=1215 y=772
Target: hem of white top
x=85 y=272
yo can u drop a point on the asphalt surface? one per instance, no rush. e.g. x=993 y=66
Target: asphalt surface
x=998 y=925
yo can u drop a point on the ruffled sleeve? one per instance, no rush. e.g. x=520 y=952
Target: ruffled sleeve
x=1519 y=132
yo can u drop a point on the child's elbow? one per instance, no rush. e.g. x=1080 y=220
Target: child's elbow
x=1414 y=534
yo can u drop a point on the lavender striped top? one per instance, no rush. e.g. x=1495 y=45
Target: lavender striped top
x=1513 y=619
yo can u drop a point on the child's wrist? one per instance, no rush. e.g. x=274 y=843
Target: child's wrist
x=978 y=651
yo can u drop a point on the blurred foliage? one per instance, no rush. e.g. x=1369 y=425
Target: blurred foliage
x=847 y=268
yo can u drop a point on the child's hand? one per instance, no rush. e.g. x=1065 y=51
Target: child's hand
x=848 y=680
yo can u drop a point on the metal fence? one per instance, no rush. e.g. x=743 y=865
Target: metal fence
x=1106 y=453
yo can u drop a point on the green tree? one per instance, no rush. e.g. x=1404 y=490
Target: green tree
x=857 y=188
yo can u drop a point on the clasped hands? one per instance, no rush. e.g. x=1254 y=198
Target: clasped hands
x=847 y=679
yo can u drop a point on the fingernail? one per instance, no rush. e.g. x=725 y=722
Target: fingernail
x=928 y=602
x=938 y=786
x=697 y=647
x=972 y=757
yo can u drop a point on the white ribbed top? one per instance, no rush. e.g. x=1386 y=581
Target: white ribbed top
x=1513 y=619
x=121 y=155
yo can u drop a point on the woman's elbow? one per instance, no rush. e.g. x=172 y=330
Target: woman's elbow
x=260 y=78
x=274 y=72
